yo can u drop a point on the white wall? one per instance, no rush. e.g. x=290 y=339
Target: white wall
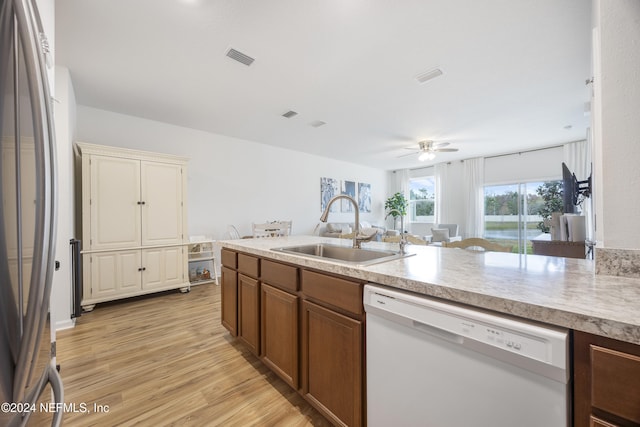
x=64 y=114
x=617 y=124
x=233 y=181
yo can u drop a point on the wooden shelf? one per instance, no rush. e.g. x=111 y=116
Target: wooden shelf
x=559 y=248
x=202 y=263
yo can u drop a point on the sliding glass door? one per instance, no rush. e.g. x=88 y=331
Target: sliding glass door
x=515 y=213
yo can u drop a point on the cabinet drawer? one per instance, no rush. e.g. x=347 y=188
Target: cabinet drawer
x=335 y=291
x=249 y=265
x=280 y=275
x=614 y=382
x=229 y=258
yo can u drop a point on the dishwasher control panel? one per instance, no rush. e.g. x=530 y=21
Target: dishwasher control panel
x=509 y=340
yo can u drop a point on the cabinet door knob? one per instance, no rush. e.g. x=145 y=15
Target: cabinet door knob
x=142 y=269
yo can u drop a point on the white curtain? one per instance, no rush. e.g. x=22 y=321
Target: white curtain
x=577 y=156
x=400 y=184
x=442 y=204
x=474 y=193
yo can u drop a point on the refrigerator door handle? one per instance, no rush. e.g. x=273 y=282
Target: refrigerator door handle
x=58 y=394
x=44 y=243
x=52 y=377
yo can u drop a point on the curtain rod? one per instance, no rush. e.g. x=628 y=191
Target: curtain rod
x=529 y=151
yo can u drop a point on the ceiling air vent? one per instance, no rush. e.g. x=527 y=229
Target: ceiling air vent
x=289 y=114
x=317 y=123
x=240 y=57
x=428 y=75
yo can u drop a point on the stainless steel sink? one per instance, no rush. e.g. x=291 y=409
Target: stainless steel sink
x=343 y=254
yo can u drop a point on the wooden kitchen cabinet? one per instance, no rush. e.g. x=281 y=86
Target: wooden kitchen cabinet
x=333 y=363
x=229 y=297
x=229 y=291
x=163 y=267
x=279 y=342
x=306 y=326
x=114 y=202
x=606 y=382
x=249 y=301
x=117 y=273
x=280 y=320
x=131 y=201
x=249 y=312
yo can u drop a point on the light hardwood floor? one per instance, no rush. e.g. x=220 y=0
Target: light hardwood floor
x=165 y=360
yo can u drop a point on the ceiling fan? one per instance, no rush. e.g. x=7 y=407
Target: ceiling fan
x=428 y=149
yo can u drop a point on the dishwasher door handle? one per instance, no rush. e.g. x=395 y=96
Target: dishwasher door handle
x=437 y=332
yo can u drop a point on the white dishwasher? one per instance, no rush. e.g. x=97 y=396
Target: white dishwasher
x=437 y=364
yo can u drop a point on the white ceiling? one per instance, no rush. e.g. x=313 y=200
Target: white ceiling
x=514 y=71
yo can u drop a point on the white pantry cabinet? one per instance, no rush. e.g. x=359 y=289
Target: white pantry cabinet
x=133 y=222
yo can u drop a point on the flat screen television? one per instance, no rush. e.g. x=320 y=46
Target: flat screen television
x=569 y=198
x=572 y=189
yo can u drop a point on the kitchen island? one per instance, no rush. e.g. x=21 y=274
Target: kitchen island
x=557 y=291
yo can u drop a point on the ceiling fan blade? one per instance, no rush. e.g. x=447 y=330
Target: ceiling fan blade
x=439 y=144
x=410 y=154
x=445 y=150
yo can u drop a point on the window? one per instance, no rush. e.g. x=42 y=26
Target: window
x=515 y=213
x=422 y=199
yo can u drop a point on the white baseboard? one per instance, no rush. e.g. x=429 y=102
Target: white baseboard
x=65 y=324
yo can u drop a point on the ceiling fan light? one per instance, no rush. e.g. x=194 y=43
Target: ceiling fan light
x=426 y=156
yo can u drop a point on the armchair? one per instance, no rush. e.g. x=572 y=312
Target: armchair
x=443 y=233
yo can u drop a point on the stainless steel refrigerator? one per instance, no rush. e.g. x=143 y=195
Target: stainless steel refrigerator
x=28 y=377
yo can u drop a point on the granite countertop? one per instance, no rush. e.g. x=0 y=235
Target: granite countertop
x=558 y=291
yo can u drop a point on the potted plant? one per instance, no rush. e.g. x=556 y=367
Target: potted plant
x=551 y=193
x=396 y=206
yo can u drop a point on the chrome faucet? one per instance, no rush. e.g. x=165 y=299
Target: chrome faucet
x=325 y=216
x=403 y=239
